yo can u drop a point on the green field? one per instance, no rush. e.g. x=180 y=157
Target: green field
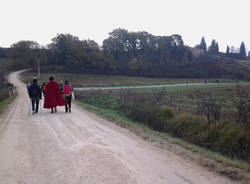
x=88 y=80
x=186 y=87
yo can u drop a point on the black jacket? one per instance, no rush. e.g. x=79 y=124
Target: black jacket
x=35 y=90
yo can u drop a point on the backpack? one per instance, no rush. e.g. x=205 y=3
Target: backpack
x=44 y=88
x=34 y=90
x=67 y=90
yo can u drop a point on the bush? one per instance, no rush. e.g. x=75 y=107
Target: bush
x=146 y=115
x=186 y=126
x=227 y=138
x=165 y=113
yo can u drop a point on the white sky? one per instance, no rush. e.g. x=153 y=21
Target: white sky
x=40 y=20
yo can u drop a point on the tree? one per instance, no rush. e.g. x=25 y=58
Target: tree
x=24 y=54
x=227 y=51
x=217 y=48
x=242 y=51
x=242 y=104
x=135 y=65
x=209 y=104
x=64 y=46
x=203 y=44
x=79 y=55
x=214 y=48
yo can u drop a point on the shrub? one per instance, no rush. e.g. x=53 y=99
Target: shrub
x=188 y=119
x=165 y=113
x=186 y=126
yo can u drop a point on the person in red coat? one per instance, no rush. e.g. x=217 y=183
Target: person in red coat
x=53 y=96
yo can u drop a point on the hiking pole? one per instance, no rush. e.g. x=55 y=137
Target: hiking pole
x=40 y=101
x=29 y=106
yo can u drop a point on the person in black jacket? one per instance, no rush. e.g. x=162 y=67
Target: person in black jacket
x=35 y=94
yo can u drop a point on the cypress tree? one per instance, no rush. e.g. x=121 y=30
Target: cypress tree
x=227 y=52
x=217 y=48
x=212 y=48
x=242 y=51
x=203 y=44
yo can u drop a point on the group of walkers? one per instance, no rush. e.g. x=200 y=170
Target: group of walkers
x=54 y=95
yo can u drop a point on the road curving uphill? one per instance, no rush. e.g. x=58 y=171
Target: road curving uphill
x=81 y=148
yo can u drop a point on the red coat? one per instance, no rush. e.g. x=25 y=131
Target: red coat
x=53 y=96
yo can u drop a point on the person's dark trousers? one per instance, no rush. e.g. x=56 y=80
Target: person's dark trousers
x=35 y=100
x=68 y=103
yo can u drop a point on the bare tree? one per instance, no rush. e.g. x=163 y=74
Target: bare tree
x=242 y=104
x=209 y=104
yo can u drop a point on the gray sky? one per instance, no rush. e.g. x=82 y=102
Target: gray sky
x=40 y=20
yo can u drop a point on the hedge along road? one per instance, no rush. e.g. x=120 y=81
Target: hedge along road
x=81 y=148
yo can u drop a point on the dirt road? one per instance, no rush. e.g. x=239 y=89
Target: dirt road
x=81 y=148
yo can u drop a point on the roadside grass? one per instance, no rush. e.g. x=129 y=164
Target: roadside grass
x=91 y=80
x=137 y=127
x=6 y=102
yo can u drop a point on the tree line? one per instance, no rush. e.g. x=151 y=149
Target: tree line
x=230 y=51
x=124 y=53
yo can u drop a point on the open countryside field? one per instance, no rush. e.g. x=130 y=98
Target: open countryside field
x=89 y=80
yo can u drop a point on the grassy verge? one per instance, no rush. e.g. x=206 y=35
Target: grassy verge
x=6 y=102
x=136 y=127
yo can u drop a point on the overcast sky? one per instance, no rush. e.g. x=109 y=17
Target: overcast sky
x=40 y=20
